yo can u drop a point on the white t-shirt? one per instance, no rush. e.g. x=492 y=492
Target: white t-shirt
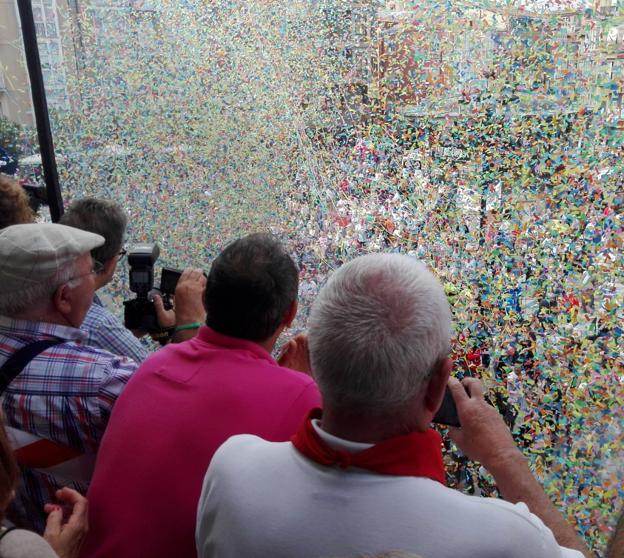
x=264 y=499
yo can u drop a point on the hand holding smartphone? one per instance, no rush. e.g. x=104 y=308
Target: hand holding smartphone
x=447 y=413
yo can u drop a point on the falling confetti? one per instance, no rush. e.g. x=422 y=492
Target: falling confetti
x=483 y=138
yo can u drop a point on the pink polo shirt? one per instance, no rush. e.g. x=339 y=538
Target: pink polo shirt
x=180 y=405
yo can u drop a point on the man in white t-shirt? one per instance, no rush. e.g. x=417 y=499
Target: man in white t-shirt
x=366 y=475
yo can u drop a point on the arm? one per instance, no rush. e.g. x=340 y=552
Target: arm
x=484 y=437
x=119 y=340
x=616 y=546
x=114 y=378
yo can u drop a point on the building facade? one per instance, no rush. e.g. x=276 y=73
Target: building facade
x=54 y=38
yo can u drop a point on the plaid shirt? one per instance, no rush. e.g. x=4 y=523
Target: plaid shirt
x=106 y=332
x=65 y=394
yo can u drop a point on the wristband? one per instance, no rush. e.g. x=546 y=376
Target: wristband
x=194 y=325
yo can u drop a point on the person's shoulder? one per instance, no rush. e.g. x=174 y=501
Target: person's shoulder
x=96 y=315
x=96 y=362
x=501 y=512
x=245 y=442
x=288 y=376
x=20 y=543
x=236 y=449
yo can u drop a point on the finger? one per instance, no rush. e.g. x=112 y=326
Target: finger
x=186 y=273
x=457 y=391
x=300 y=338
x=474 y=387
x=161 y=313
x=69 y=495
x=287 y=351
x=196 y=275
x=303 y=342
x=284 y=351
x=192 y=275
x=79 y=514
x=54 y=522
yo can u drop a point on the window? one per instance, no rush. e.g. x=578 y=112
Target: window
x=200 y=113
x=51 y=29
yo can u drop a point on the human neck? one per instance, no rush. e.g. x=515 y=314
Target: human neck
x=100 y=281
x=357 y=427
x=269 y=344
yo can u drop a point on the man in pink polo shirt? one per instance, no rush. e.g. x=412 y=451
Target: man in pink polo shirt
x=188 y=398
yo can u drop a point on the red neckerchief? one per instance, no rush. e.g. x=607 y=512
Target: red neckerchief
x=418 y=454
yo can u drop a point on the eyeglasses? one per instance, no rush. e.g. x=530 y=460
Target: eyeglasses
x=96 y=269
x=122 y=253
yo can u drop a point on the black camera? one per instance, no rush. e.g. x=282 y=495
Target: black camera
x=140 y=313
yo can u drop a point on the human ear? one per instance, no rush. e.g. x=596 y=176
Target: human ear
x=291 y=313
x=62 y=300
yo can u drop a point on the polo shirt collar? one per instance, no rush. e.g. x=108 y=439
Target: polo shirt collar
x=336 y=443
x=209 y=335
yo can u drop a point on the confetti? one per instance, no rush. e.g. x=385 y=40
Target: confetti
x=483 y=138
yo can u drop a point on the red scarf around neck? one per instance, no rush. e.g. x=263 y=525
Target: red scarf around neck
x=418 y=454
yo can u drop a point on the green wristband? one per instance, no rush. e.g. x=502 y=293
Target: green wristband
x=194 y=325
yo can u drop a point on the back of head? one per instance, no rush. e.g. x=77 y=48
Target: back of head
x=102 y=217
x=251 y=286
x=14 y=206
x=376 y=332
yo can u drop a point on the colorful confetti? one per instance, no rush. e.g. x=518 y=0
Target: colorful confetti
x=486 y=138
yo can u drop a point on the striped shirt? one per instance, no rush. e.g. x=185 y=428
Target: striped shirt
x=66 y=395
x=105 y=331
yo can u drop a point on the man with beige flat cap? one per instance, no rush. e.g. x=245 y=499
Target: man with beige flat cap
x=57 y=393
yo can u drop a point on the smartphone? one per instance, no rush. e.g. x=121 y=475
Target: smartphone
x=447 y=413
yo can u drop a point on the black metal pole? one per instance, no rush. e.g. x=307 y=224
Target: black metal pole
x=40 y=104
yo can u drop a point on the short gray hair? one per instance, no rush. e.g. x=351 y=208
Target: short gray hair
x=103 y=217
x=41 y=293
x=376 y=332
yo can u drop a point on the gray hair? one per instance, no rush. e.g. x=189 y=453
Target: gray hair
x=102 y=217
x=39 y=294
x=376 y=332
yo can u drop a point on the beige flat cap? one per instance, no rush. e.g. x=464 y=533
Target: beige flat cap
x=30 y=254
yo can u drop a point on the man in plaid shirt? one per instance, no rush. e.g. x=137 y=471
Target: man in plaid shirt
x=58 y=407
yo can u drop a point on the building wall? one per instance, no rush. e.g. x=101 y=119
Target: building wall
x=15 y=100
x=49 y=39
x=53 y=25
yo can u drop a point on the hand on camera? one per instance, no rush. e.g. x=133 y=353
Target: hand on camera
x=483 y=435
x=188 y=301
x=166 y=318
x=189 y=297
x=66 y=537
